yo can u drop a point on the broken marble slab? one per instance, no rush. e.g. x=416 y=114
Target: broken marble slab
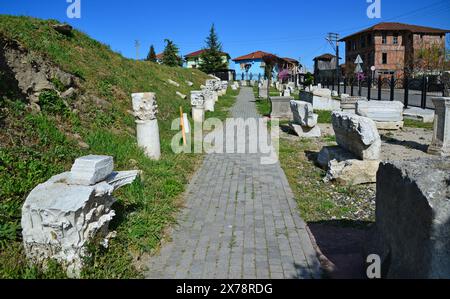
x=183 y=96
x=60 y=219
x=357 y=134
x=90 y=170
x=381 y=111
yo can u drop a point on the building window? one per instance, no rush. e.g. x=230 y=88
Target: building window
x=385 y=58
x=384 y=39
x=396 y=39
x=354 y=45
x=363 y=42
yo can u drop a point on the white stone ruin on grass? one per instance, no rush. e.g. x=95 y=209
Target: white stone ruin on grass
x=145 y=110
x=63 y=215
x=441 y=135
x=357 y=158
x=387 y=115
x=305 y=121
x=198 y=106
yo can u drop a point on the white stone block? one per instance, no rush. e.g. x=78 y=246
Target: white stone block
x=60 y=219
x=148 y=138
x=303 y=114
x=381 y=111
x=90 y=170
x=357 y=134
x=441 y=134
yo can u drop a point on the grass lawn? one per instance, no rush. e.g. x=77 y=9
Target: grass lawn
x=319 y=201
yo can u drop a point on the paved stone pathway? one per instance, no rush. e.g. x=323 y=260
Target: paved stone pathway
x=240 y=221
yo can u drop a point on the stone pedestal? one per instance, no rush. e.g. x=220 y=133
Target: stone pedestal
x=148 y=138
x=145 y=110
x=281 y=107
x=63 y=215
x=198 y=114
x=441 y=136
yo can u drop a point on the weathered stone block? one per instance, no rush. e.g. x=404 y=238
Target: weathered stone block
x=330 y=153
x=419 y=114
x=322 y=92
x=306 y=132
x=412 y=233
x=348 y=103
x=281 y=107
x=91 y=169
x=381 y=111
x=441 y=134
x=303 y=114
x=352 y=172
x=357 y=134
x=59 y=219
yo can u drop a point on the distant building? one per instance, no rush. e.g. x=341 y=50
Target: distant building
x=391 y=47
x=251 y=64
x=159 y=58
x=325 y=66
x=193 y=60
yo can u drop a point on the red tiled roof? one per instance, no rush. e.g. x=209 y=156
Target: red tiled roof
x=325 y=57
x=254 y=55
x=160 y=56
x=199 y=52
x=400 y=27
x=291 y=60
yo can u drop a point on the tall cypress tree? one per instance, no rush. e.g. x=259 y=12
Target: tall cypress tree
x=211 y=58
x=170 y=54
x=151 y=54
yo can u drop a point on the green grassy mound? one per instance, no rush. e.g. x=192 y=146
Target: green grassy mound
x=36 y=146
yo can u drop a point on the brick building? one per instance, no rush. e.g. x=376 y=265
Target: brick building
x=391 y=47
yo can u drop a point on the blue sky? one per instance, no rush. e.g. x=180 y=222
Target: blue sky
x=289 y=28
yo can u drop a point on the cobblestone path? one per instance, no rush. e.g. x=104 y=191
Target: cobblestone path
x=240 y=221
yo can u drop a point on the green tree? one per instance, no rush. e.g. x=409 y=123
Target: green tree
x=212 y=57
x=171 y=55
x=151 y=54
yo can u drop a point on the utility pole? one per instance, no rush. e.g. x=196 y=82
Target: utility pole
x=137 y=44
x=333 y=39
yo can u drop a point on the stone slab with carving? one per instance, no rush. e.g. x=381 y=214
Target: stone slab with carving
x=59 y=218
x=144 y=105
x=357 y=134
